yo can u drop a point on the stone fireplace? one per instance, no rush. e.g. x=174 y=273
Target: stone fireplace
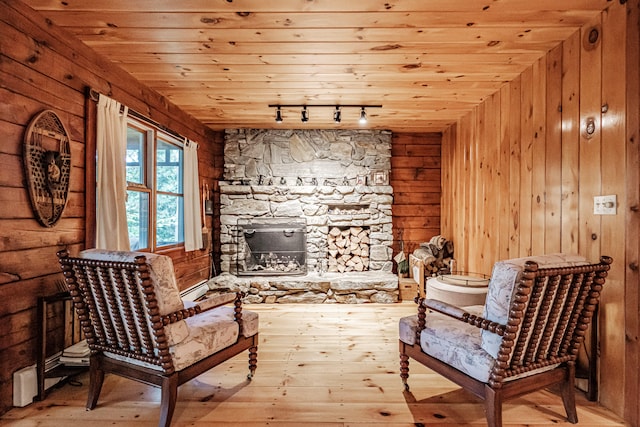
x=335 y=182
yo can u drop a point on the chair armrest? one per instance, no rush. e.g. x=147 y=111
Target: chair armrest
x=214 y=300
x=445 y=308
x=464 y=316
x=192 y=308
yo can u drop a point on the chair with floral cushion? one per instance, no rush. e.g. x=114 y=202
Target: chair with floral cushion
x=526 y=337
x=137 y=326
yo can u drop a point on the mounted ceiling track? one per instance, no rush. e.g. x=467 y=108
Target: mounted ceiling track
x=337 y=113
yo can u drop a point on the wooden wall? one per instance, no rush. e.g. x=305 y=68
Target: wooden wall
x=520 y=173
x=631 y=390
x=415 y=177
x=42 y=67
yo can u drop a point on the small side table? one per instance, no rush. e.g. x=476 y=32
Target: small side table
x=459 y=289
x=59 y=370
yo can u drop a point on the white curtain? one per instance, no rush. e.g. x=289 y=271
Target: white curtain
x=192 y=218
x=111 y=191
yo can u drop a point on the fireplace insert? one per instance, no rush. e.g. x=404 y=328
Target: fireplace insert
x=272 y=247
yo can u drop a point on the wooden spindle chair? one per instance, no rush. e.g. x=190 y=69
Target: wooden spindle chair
x=137 y=326
x=526 y=337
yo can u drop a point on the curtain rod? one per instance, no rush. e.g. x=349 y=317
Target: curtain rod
x=94 y=95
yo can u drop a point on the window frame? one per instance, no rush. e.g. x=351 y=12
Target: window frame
x=153 y=134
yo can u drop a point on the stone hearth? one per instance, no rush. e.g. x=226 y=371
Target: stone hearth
x=313 y=288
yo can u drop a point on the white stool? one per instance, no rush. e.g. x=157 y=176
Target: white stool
x=458 y=289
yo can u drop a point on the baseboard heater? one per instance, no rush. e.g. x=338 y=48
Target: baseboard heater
x=25 y=385
x=194 y=292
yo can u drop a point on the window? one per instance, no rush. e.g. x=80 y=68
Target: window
x=155 y=195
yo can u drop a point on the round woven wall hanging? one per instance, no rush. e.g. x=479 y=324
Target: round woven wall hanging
x=47 y=164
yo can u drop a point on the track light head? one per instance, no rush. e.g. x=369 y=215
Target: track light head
x=363 y=116
x=304 y=115
x=278 y=115
x=337 y=115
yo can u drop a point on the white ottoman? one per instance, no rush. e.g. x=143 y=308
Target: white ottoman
x=458 y=289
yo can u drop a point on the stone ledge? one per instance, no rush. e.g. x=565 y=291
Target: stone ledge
x=329 y=288
x=233 y=188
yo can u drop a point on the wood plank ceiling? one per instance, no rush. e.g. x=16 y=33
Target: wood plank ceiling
x=427 y=62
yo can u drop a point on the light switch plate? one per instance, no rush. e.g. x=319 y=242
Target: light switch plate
x=605 y=205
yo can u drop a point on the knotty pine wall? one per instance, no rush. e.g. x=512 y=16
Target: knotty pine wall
x=415 y=177
x=520 y=174
x=42 y=67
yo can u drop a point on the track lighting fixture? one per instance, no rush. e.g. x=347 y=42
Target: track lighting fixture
x=337 y=115
x=337 y=112
x=363 y=116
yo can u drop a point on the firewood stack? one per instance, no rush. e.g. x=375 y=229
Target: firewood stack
x=348 y=249
x=436 y=255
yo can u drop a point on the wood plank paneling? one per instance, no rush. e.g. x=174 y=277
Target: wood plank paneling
x=612 y=227
x=570 y=143
x=42 y=68
x=200 y=54
x=391 y=18
x=415 y=177
x=538 y=153
x=631 y=389
x=463 y=209
x=553 y=152
x=556 y=169
x=504 y=217
x=526 y=161
x=285 y=6
x=590 y=177
x=515 y=160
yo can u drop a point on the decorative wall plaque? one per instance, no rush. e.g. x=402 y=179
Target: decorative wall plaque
x=379 y=178
x=47 y=165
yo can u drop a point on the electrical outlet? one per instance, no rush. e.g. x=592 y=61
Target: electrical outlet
x=605 y=205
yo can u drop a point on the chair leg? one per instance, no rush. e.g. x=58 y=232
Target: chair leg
x=569 y=394
x=253 y=361
x=96 y=379
x=168 y=399
x=404 y=369
x=493 y=406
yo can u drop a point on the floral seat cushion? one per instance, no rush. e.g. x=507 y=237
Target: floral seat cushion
x=451 y=341
x=456 y=344
x=210 y=332
x=207 y=332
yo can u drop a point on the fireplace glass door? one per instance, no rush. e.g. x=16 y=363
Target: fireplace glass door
x=272 y=247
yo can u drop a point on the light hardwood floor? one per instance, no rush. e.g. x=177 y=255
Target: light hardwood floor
x=319 y=366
